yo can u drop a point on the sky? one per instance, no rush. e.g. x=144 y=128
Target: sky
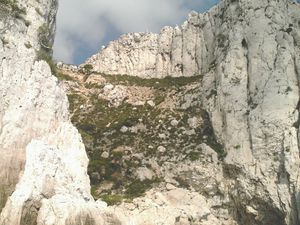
x=84 y=26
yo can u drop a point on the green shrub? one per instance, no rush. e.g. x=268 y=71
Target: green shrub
x=193 y=156
x=28 y=45
x=138 y=188
x=88 y=68
x=47 y=57
x=63 y=76
x=46 y=43
x=112 y=199
x=157 y=83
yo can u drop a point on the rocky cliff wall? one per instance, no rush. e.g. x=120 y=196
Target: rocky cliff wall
x=248 y=55
x=187 y=50
x=43 y=178
x=254 y=105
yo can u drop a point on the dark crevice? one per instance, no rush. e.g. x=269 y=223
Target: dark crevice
x=249 y=100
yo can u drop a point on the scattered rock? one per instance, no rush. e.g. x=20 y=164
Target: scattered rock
x=193 y=122
x=151 y=103
x=144 y=173
x=162 y=136
x=161 y=149
x=124 y=129
x=170 y=186
x=174 y=123
x=105 y=155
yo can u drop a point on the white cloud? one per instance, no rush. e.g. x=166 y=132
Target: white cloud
x=85 y=25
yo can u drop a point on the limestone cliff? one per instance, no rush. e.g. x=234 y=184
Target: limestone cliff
x=43 y=177
x=248 y=54
x=245 y=100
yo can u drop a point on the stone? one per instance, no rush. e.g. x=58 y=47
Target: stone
x=161 y=149
x=151 y=103
x=170 y=187
x=193 y=122
x=124 y=129
x=143 y=173
x=44 y=166
x=174 y=123
x=162 y=136
x=105 y=155
x=190 y=132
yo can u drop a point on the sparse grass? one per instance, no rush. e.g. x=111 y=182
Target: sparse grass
x=182 y=182
x=194 y=155
x=45 y=52
x=99 y=124
x=63 y=76
x=113 y=199
x=134 y=189
x=138 y=188
x=47 y=57
x=167 y=82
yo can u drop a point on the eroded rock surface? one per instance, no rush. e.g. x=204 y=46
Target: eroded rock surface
x=247 y=56
x=248 y=53
x=43 y=171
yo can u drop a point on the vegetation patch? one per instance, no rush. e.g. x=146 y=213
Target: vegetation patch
x=120 y=139
x=13 y=8
x=167 y=82
x=63 y=76
x=113 y=199
x=45 y=52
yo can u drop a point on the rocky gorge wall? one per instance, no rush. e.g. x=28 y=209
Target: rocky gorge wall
x=248 y=55
x=43 y=178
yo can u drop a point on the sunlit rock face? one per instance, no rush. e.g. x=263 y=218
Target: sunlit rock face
x=43 y=177
x=248 y=55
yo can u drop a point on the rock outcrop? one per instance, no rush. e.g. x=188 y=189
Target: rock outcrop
x=248 y=54
x=246 y=97
x=43 y=171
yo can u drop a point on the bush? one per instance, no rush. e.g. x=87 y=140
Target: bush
x=112 y=199
x=47 y=57
x=88 y=68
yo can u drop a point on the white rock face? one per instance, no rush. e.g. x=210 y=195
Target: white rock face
x=43 y=174
x=253 y=103
x=181 y=51
x=249 y=55
x=177 y=206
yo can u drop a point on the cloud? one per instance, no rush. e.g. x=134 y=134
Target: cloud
x=83 y=26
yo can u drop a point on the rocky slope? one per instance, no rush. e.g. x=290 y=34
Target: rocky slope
x=143 y=134
x=248 y=55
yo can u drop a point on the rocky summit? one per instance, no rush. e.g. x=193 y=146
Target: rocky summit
x=197 y=125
